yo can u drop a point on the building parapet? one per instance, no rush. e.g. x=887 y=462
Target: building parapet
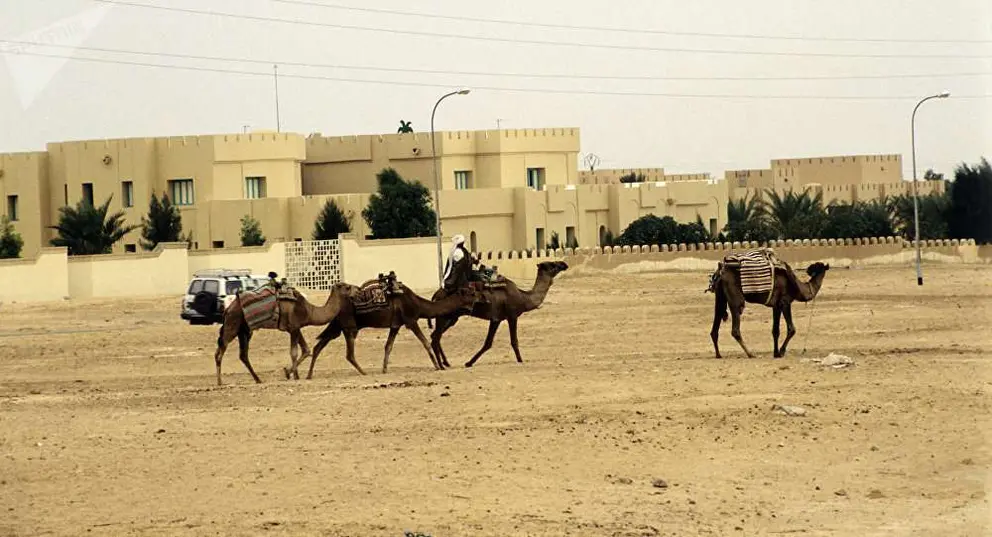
x=895 y=241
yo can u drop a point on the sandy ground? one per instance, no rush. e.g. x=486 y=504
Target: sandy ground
x=111 y=423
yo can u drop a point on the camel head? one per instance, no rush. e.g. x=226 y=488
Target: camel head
x=817 y=268
x=552 y=268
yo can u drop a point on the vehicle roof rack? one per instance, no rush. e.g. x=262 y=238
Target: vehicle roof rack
x=221 y=273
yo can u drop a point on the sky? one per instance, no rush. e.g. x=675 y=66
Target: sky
x=845 y=75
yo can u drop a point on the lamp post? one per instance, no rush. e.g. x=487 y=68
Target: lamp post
x=437 y=188
x=916 y=200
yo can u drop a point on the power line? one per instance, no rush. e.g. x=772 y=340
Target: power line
x=499 y=74
x=497 y=88
x=626 y=30
x=420 y=33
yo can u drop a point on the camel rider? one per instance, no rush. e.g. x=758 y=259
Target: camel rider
x=458 y=270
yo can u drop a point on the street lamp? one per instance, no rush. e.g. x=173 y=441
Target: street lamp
x=437 y=188
x=916 y=201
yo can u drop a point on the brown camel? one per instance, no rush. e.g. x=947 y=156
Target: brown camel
x=504 y=301
x=292 y=315
x=404 y=308
x=786 y=288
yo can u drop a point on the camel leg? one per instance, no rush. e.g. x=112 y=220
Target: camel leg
x=719 y=315
x=415 y=328
x=735 y=317
x=776 y=318
x=321 y=343
x=393 y=330
x=512 y=323
x=440 y=327
x=493 y=325
x=293 y=356
x=349 y=340
x=228 y=331
x=790 y=328
x=244 y=337
x=304 y=352
x=296 y=338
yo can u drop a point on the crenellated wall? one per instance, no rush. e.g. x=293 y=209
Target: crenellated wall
x=703 y=257
x=52 y=275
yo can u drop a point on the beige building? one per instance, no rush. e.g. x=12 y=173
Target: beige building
x=840 y=178
x=504 y=189
x=509 y=189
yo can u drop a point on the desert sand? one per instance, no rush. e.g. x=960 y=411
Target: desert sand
x=620 y=422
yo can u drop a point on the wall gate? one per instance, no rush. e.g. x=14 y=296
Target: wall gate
x=313 y=265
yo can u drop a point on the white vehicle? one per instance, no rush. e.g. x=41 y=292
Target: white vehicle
x=211 y=292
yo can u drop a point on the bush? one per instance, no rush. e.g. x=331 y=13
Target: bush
x=330 y=223
x=11 y=242
x=251 y=232
x=162 y=224
x=400 y=209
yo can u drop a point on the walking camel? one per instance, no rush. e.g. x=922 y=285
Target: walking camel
x=390 y=305
x=504 y=301
x=755 y=278
x=284 y=309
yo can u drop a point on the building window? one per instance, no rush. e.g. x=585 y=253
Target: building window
x=130 y=248
x=218 y=244
x=541 y=245
x=254 y=188
x=182 y=191
x=12 y=208
x=65 y=195
x=88 y=193
x=713 y=226
x=463 y=180
x=127 y=194
x=570 y=240
x=535 y=178
x=473 y=242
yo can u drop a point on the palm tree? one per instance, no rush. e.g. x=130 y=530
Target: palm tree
x=747 y=220
x=933 y=208
x=87 y=230
x=796 y=216
x=405 y=126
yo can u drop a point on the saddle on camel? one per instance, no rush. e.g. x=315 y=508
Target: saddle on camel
x=756 y=269
x=262 y=306
x=374 y=294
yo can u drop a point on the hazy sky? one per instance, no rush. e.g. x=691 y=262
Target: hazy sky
x=744 y=123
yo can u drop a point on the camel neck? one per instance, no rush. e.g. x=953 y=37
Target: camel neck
x=812 y=287
x=535 y=297
x=435 y=308
x=319 y=315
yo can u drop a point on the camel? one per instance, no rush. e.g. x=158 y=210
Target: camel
x=504 y=301
x=300 y=313
x=403 y=308
x=786 y=289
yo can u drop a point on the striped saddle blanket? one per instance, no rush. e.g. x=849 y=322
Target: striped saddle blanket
x=756 y=268
x=261 y=306
x=374 y=294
